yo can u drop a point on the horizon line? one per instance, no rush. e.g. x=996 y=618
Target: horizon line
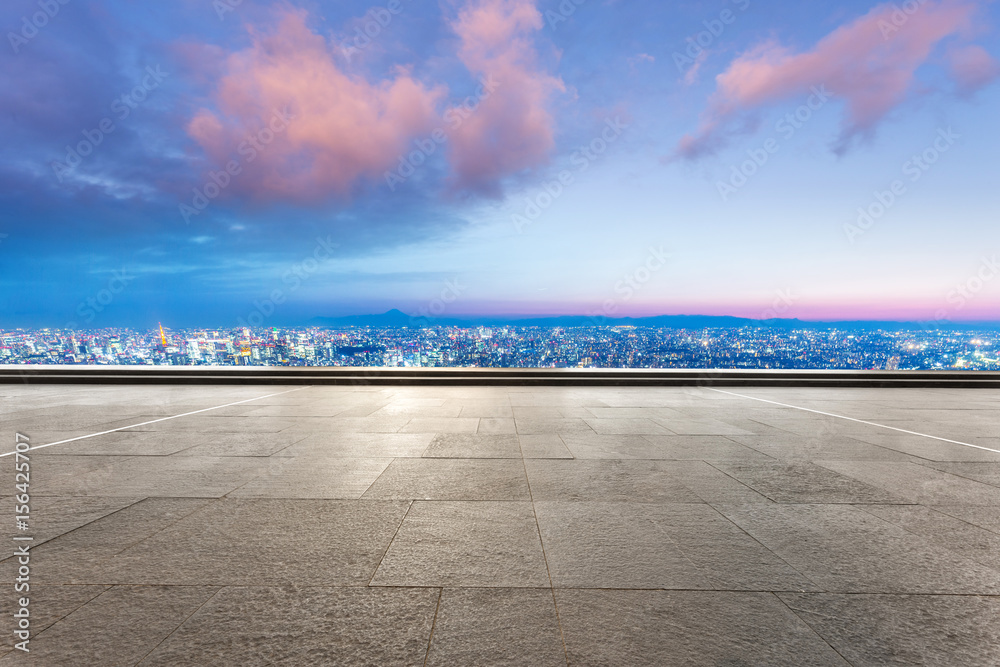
x=518 y=318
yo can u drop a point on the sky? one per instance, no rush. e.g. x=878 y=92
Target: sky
x=216 y=162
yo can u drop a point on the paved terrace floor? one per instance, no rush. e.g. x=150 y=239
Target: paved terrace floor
x=507 y=526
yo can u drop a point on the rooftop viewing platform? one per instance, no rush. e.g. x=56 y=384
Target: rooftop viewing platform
x=534 y=525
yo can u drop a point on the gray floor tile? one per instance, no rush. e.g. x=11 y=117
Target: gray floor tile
x=635 y=413
x=959 y=429
x=487 y=411
x=544 y=447
x=74 y=557
x=242 y=444
x=360 y=445
x=990 y=441
x=943 y=530
x=626 y=427
x=451 y=479
x=618 y=545
x=847 y=550
x=61 y=472
x=811 y=425
x=244 y=542
x=607 y=481
x=534 y=426
x=130 y=443
x=931 y=630
x=714 y=486
x=308 y=477
x=927 y=448
x=497 y=425
x=47 y=605
x=627 y=545
x=811 y=448
x=168 y=476
x=479 y=626
x=469 y=445
x=802 y=482
x=918 y=483
x=594 y=446
x=370 y=424
x=549 y=412
x=698 y=448
x=87 y=419
x=118 y=627
x=731 y=559
x=687 y=628
x=52 y=516
x=50 y=436
x=987 y=473
x=441 y=425
x=425 y=400
x=707 y=427
x=200 y=424
x=478 y=544
x=303 y=410
x=414 y=411
x=983 y=516
x=304 y=626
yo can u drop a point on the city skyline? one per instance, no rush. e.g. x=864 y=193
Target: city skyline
x=265 y=313
x=487 y=158
x=515 y=346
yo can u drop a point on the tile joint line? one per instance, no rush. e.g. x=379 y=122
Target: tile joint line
x=860 y=421
x=154 y=421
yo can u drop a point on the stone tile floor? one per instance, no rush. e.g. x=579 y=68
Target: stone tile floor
x=506 y=526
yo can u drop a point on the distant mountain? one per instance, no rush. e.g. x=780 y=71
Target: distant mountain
x=672 y=321
x=392 y=318
x=397 y=318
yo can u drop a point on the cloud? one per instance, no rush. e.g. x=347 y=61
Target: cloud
x=972 y=68
x=347 y=129
x=691 y=76
x=512 y=129
x=641 y=58
x=869 y=63
x=344 y=128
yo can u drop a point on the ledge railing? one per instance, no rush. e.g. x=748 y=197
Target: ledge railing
x=314 y=375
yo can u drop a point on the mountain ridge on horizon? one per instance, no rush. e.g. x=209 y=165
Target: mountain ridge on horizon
x=397 y=318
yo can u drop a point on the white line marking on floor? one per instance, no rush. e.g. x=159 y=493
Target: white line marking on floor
x=162 y=419
x=860 y=421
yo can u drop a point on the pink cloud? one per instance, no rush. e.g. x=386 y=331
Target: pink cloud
x=972 y=68
x=692 y=74
x=344 y=128
x=512 y=129
x=870 y=64
x=640 y=58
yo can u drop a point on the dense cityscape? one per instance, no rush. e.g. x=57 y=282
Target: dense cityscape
x=512 y=346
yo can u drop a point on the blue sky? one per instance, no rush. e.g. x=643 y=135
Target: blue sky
x=612 y=157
